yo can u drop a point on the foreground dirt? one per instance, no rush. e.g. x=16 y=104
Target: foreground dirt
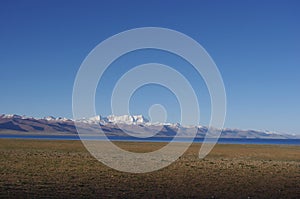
x=64 y=169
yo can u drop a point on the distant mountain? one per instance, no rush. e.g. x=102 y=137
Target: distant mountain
x=118 y=126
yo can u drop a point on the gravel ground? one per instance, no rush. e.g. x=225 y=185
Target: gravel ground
x=64 y=169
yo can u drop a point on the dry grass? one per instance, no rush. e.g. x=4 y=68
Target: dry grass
x=64 y=169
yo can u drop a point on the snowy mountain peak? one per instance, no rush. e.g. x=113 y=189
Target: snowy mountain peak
x=97 y=118
x=49 y=118
x=61 y=119
x=12 y=116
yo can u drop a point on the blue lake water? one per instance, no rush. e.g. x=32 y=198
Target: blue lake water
x=157 y=139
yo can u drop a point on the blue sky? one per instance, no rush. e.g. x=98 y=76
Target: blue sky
x=255 y=44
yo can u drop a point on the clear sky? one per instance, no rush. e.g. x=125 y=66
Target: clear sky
x=255 y=44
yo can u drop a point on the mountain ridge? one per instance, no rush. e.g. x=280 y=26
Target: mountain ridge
x=120 y=126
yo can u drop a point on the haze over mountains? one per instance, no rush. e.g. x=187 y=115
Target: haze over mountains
x=118 y=126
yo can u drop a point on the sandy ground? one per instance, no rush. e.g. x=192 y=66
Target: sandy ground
x=64 y=169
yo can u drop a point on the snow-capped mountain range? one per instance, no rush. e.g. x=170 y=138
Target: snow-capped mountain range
x=118 y=126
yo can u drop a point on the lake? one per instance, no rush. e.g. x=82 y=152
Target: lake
x=156 y=139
